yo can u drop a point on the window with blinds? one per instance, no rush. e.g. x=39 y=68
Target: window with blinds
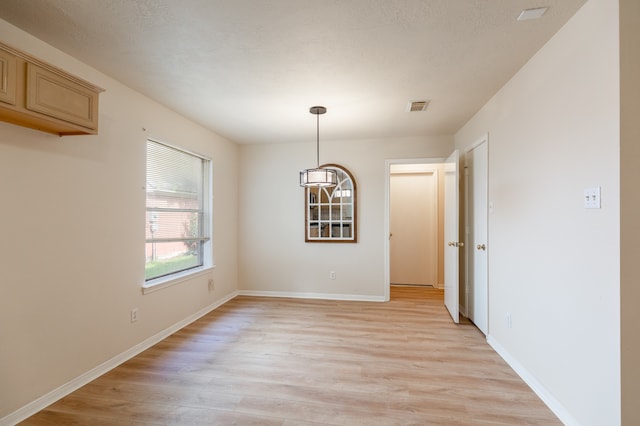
x=177 y=225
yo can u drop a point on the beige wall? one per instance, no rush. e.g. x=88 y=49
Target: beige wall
x=630 y=207
x=274 y=254
x=72 y=237
x=553 y=265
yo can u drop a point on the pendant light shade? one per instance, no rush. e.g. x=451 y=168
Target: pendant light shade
x=318 y=177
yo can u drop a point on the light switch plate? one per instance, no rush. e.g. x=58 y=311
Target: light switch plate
x=592 y=198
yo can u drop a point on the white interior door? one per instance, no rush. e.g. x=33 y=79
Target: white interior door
x=477 y=200
x=452 y=244
x=414 y=228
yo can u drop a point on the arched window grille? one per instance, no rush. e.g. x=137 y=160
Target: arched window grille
x=330 y=213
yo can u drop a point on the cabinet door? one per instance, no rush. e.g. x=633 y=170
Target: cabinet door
x=8 y=74
x=58 y=97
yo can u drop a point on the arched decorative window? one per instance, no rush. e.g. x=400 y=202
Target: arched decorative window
x=330 y=213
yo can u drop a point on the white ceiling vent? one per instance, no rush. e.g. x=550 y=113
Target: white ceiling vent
x=528 y=14
x=417 y=106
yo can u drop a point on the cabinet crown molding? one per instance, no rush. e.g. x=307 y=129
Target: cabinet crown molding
x=52 y=68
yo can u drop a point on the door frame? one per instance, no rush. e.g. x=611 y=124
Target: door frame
x=387 y=203
x=468 y=226
x=424 y=169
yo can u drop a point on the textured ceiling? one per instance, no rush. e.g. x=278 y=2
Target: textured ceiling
x=250 y=69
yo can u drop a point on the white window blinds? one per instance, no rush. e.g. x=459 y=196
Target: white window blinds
x=176 y=217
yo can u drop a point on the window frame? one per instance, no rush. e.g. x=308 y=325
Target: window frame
x=167 y=280
x=310 y=221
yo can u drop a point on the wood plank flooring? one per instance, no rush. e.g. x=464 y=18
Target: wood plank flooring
x=274 y=361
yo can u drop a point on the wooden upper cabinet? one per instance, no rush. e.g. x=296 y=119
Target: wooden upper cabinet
x=8 y=73
x=56 y=96
x=40 y=96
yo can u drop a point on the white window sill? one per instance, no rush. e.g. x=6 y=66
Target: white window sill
x=164 y=282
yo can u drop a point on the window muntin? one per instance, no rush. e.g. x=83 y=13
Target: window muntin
x=330 y=213
x=177 y=204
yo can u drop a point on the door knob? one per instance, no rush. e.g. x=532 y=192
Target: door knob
x=481 y=247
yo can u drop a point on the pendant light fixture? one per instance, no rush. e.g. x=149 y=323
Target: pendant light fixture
x=318 y=177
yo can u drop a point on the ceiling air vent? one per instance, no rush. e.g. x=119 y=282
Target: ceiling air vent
x=528 y=14
x=417 y=106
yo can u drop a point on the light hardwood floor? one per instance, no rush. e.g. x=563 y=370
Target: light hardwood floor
x=272 y=361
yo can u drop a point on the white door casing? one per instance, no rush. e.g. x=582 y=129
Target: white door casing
x=389 y=164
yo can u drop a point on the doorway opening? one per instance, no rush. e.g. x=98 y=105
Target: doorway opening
x=414 y=223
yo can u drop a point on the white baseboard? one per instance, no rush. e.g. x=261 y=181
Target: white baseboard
x=325 y=296
x=546 y=397
x=75 y=384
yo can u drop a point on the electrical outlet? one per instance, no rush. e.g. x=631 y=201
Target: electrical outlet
x=592 y=198
x=211 y=287
x=134 y=314
x=332 y=275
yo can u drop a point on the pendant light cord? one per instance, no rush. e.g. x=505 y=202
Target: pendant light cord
x=318 y=139
x=317 y=110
